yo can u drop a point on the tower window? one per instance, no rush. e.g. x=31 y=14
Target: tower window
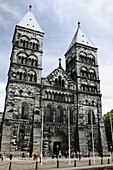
x=48 y=114
x=58 y=115
x=59 y=82
x=24 y=110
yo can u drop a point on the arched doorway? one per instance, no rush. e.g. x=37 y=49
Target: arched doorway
x=60 y=140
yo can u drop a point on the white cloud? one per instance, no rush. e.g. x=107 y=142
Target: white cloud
x=106 y=72
x=59 y=21
x=2 y=96
x=6 y=8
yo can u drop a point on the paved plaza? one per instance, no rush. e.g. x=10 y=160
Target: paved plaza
x=49 y=163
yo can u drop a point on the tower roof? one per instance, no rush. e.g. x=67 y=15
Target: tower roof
x=81 y=38
x=29 y=21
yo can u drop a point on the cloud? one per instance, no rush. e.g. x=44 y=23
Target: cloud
x=59 y=20
x=2 y=96
x=106 y=87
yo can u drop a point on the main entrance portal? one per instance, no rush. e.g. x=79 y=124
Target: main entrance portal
x=55 y=150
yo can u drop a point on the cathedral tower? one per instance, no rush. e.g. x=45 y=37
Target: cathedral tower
x=82 y=66
x=22 y=103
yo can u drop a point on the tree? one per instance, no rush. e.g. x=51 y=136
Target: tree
x=107 y=125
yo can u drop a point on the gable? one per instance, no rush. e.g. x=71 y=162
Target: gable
x=59 y=78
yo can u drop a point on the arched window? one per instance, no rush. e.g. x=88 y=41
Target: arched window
x=56 y=82
x=20 y=76
x=58 y=115
x=62 y=83
x=35 y=78
x=59 y=80
x=24 y=110
x=48 y=114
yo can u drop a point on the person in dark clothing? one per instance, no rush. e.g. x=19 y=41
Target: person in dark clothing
x=23 y=156
x=10 y=156
x=66 y=154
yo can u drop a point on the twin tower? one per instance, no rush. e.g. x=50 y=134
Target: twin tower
x=32 y=101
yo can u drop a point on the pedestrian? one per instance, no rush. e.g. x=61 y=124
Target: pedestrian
x=60 y=154
x=28 y=155
x=3 y=155
x=0 y=155
x=45 y=156
x=66 y=154
x=40 y=157
x=10 y=156
x=36 y=157
x=23 y=156
x=101 y=155
x=72 y=154
x=79 y=155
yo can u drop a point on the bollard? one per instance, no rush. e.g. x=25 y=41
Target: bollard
x=89 y=162
x=57 y=164
x=101 y=161
x=37 y=165
x=10 y=166
x=74 y=163
x=108 y=161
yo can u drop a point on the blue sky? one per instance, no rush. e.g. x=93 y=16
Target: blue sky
x=58 y=19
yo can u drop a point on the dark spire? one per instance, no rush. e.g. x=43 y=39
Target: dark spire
x=30 y=7
x=78 y=24
x=59 y=62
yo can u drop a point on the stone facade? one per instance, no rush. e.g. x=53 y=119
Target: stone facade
x=31 y=99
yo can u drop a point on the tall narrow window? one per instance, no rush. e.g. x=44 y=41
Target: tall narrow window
x=56 y=82
x=62 y=83
x=59 y=80
x=58 y=115
x=48 y=114
x=24 y=110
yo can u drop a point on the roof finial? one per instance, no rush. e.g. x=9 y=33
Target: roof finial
x=30 y=7
x=78 y=24
x=59 y=62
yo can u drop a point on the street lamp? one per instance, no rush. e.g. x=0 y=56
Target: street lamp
x=42 y=135
x=69 y=132
x=57 y=156
x=112 y=138
x=92 y=137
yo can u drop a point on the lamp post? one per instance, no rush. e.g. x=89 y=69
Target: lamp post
x=69 y=132
x=57 y=156
x=112 y=138
x=42 y=136
x=92 y=138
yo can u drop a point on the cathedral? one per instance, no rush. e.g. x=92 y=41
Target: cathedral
x=40 y=111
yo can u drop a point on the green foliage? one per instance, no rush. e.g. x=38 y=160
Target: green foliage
x=107 y=125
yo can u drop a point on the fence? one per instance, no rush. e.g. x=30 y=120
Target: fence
x=49 y=164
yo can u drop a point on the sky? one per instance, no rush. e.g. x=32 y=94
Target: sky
x=58 y=19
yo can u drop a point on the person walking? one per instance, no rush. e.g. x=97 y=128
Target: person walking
x=79 y=155
x=10 y=156
x=66 y=154
x=45 y=156
x=23 y=156
x=36 y=157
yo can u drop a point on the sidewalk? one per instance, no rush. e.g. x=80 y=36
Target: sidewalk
x=51 y=164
